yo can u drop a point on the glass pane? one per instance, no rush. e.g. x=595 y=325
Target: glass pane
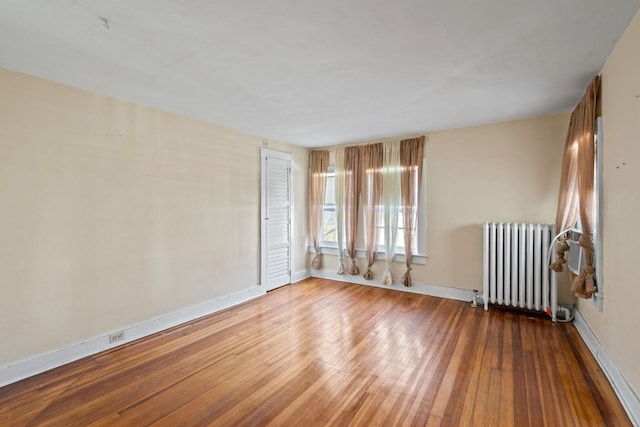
x=330 y=190
x=329 y=225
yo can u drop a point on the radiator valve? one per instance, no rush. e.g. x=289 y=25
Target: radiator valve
x=477 y=299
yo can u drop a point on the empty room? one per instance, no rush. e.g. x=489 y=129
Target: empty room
x=319 y=213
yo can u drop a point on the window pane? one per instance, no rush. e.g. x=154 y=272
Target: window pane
x=330 y=191
x=329 y=225
x=381 y=236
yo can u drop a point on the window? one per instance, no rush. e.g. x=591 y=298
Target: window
x=400 y=238
x=597 y=235
x=329 y=210
x=329 y=234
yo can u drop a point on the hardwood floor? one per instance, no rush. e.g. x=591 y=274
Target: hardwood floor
x=328 y=353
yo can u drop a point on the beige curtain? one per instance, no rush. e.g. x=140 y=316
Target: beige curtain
x=583 y=285
x=340 y=198
x=352 y=177
x=318 y=163
x=577 y=189
x=567 y=213
x=411 y=154
x=371 y=157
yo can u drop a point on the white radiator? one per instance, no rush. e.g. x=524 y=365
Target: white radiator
x=516 y=273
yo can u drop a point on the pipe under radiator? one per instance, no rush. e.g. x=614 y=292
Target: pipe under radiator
x=516 y=271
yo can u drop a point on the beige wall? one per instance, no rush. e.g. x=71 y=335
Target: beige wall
x=113 y=213
x=502 y=172
x=617 y=325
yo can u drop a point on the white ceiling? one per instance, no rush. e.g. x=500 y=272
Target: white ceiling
x=317 y=73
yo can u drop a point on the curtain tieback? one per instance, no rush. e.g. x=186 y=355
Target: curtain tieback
x=585 y=241
x=557 y=265
x=406 y=278
x=315 y=264
x=369 y=274
x=340 y=265
x=354 y=267
x=386 y=277
x=588 y=269
x=562 y=247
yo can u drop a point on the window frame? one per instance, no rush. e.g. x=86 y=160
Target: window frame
x=597 y=241
x=331 y=170
x=331 y=247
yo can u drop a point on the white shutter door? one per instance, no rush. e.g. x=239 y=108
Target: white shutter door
x=277 y=222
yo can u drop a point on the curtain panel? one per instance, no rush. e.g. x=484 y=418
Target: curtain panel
x=352 y=180
x=567 y=213
x=318 y=164
x=411 y=154
x=371 y=158
x=577 y=196
x=390 y=204
x=583 y=285
x=339 y=196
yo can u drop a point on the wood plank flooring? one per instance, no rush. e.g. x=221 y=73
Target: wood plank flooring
x=328 y=353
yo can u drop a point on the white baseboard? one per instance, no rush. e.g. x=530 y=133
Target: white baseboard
x=301 y=275
x=35 y=365
x=625 y=393
x=416 y=288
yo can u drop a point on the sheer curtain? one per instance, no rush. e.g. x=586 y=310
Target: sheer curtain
x=371 y=157
x=318 y=163
x=351 y=202
x=411 y=154
x=391 y=203
x=339 y=183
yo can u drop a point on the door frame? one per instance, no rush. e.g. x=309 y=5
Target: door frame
x=264 y=154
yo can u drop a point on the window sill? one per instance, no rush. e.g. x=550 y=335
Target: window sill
x=380 y=256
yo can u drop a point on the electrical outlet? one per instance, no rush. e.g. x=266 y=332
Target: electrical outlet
x=116 y=336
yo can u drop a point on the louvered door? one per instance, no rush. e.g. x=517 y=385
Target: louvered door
x=276 y=219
